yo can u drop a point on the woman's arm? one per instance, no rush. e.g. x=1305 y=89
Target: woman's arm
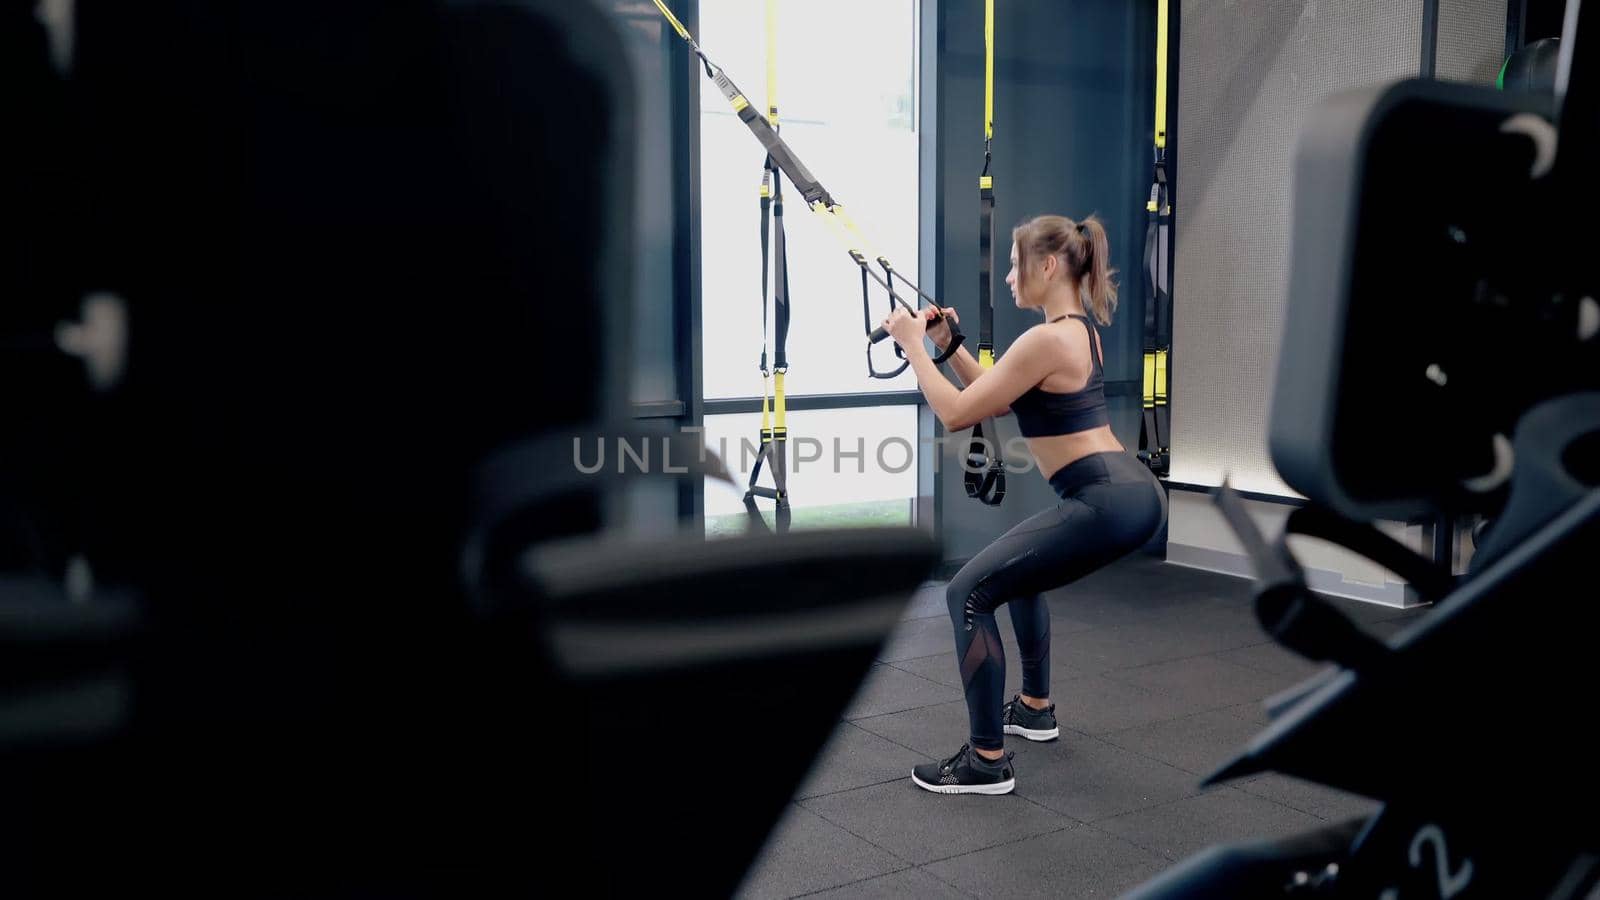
x=965 y=366
x=1026 y=364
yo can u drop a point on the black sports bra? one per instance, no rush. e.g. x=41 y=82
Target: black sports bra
x=1042 y=413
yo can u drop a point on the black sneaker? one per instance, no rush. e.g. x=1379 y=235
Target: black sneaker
x=1025 y=721
x=966 y=773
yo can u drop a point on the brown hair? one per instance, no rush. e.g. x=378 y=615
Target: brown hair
x=1084 y=249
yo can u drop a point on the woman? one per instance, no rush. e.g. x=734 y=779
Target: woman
x=1111 y=504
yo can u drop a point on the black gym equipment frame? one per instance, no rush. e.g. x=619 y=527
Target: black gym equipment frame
x=1479 y=798
x=356 y=653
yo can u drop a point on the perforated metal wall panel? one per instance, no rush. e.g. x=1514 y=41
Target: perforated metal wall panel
x=1472 y=39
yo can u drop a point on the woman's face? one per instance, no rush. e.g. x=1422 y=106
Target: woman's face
x=1011 y=279
x=1026 y=295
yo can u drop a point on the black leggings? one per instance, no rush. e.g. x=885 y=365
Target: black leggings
x=1111 y=505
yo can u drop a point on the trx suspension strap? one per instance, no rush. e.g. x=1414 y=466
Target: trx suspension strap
x=809 y=188
x=815 y=196
x=991 y=486
x=774 y=427
x=986 y=201
x=1155 y=432
x=877 y=333
x=985 y=475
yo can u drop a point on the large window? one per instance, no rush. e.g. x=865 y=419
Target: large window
x=847 y=72
x=847 y=75
x=847 y=467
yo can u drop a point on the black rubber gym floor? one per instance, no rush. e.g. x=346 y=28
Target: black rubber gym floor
x=1158 y=675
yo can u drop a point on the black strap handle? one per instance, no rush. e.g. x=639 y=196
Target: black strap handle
x=985 y=475
x=956 y=337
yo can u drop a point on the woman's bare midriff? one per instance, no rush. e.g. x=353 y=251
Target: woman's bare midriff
x=1056 y=451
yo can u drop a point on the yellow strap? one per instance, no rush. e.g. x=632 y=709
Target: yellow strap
x=840 y=218
x=988 y=67
x=779 y=423
x=766 y=413
x=1161 y=377
x=834 y=226
x=850 y=226
x=986 y=182
x=772 y=62
x=682 y=31
x=838 y=226
x=986 y=357
x=1161 y=74
x=1149 y=380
